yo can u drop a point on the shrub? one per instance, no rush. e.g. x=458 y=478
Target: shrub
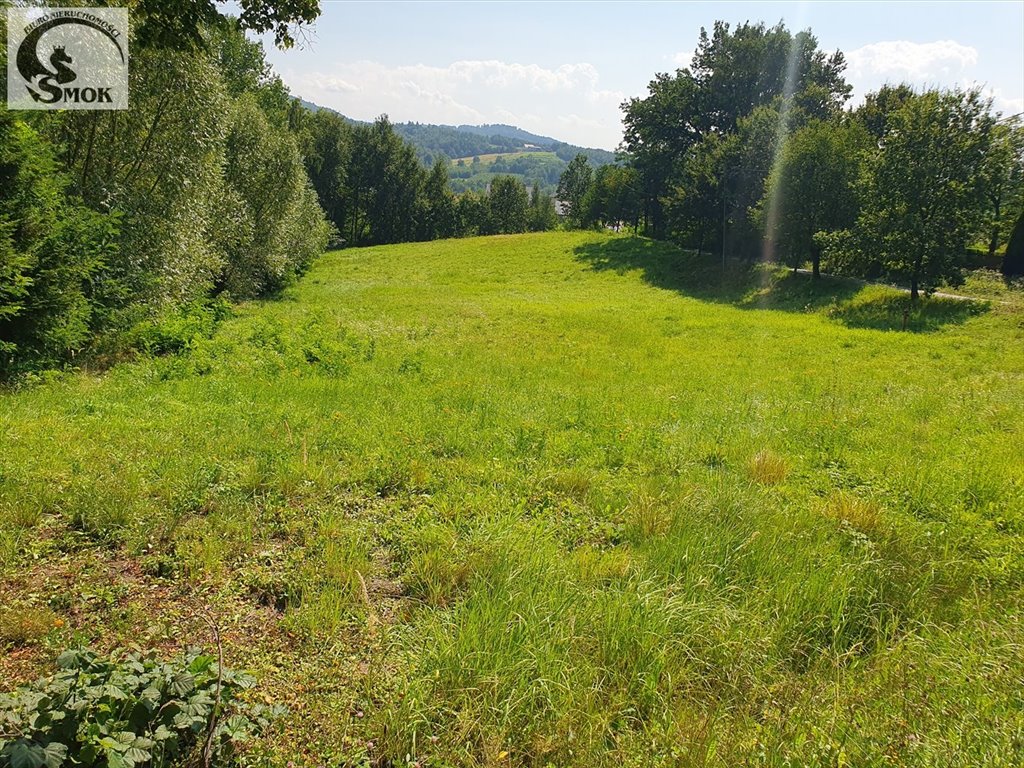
x=181 y=329
x=127 y=711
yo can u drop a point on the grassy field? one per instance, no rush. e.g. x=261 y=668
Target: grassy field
x=532 y=168
x=486 y=160
x=562 y=499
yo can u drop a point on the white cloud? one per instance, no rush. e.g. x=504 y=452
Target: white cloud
x=943 y=64
x=916 y=62
x=475 y=91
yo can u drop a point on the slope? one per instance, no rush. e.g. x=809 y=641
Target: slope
x=563 y=499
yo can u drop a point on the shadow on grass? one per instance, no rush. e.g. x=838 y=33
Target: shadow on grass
x=761 y=286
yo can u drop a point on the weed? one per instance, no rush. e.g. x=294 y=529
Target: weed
x=767 y=468
x=25 y=625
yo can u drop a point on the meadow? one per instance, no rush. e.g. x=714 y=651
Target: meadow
x=489 y=159
x=531 y=167
x=560 y=499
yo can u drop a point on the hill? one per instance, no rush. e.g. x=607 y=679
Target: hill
x=533 y=167
x=559 y=499
x=467 y=141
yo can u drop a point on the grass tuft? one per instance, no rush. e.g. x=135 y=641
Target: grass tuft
x=767 y=468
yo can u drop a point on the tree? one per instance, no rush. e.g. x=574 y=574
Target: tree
x=925 y=194
x=612 y=197
x=1013 y=259
x=737 y=78
x=508 y=206
x=51 y=250
x=267 y=186
x=160 y=164
x=440 y=216
x=879 y=106
x=326 y=145
x=693 y=206
x=542 y=211
x=573 y=185
x=812 y=189
x=180 y=24
x=384 y=181
x=243 y=67
x=738 y=70
x=1003 y=174
x=471 y=212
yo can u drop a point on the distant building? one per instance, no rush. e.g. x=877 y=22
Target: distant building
x=561 y=208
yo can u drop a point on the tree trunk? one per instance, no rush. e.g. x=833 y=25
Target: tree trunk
x=816 y=266
x=913 y=288
x=993 y=242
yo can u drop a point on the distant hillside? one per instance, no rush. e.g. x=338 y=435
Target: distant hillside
x=454 y=141
x=509 y=131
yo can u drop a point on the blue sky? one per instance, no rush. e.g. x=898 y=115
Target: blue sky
x=562 y=69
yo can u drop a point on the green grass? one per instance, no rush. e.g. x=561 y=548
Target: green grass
x=562 y=499
x=488 y=159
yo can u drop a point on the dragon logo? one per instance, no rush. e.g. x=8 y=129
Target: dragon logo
x=49 y=73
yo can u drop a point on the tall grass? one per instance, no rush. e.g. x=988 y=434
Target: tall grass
x=571 y=499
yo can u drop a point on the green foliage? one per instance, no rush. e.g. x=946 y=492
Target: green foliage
x=109 y=218
x=53 y=250
x=542 y=215
x=1003 y=181
x=879 y=106
x=613 y=197
x=533 y=168
x=325 y=144
x=573 y=185
x=160 y=165
x=508 y=206
x=439 y=217
x=277 y=227
x=181 y=329
x=923 y=197
x=734 y=74
x=384 y=181
x=179 y=24
x=472 y=211
x=1013 y=259
x=812 y=189
x=125 y=711
x=243 y=67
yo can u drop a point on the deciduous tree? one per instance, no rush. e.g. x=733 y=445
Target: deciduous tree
x=924 y=200
x=573 y=186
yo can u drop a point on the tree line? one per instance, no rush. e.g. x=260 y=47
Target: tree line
x=108 y=219
x=753 y=152
x=375 y=191
x=215 y=185
x=218 y=183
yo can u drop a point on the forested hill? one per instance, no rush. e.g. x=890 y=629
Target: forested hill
x=454 y=142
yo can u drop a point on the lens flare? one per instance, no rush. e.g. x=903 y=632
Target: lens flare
x=781 y=138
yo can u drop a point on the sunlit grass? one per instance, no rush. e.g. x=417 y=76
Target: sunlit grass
x=582 y=500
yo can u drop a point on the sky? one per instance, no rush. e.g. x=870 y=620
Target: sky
x=562 y=69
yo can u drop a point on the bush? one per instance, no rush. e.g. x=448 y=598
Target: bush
x=181 y=329
x=52 y=251
x=127 y=711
